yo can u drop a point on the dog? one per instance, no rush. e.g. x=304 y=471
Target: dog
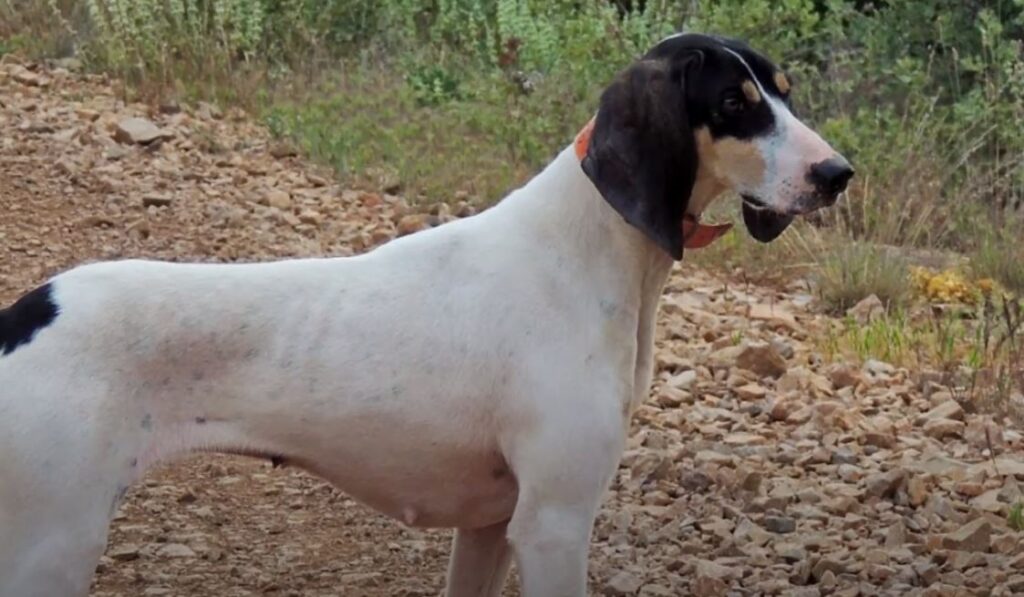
x=479 y=375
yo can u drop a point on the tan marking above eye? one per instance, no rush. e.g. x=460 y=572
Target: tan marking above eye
x=750 y=90
x=781 y=82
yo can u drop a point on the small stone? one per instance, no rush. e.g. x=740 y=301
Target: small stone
x=283 y=150
x=124 y=553
x=751 y=392
x=623 y=583
x=139 y=131
x=845 y=376
x=156 y=200
x=844 y=456
x=927 y=572
x=711 y=578
x=867 y=310
x=779 y=524
x=278 y=199
x=311 y=216
x=876 y=367
x=885 y=484
x=762 y=359
x=973 y=536
x=827 y=564
x=949 y=409
x=411 y=223
x=175 y=550
x=943 y=428
x=917 y=490
x=886 y=441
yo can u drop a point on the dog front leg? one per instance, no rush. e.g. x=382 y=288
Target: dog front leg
x=479 y=562
x=562 y=475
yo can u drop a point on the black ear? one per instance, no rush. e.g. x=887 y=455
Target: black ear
x=642 y=155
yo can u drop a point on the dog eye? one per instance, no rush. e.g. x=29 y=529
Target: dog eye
x=733 y=104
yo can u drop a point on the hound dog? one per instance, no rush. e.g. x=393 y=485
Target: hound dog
x=479 y=375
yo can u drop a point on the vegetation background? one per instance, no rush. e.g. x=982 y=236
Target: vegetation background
x=450 y=100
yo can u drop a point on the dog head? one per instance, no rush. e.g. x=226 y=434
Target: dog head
x=699 y=115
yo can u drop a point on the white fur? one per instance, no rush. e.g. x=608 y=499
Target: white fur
x=478 y=375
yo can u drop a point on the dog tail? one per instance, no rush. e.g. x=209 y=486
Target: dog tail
x=20 y=322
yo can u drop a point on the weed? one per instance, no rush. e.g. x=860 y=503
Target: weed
x=852 y=271
x=1015 y=519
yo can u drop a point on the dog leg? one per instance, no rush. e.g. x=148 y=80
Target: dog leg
x=479 y=563
x=562 y=479
x=52 y=547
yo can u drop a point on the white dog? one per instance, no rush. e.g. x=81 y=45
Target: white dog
x=479 y=375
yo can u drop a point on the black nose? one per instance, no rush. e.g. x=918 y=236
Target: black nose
x=831 y=176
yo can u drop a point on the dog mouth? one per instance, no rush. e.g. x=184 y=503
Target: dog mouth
x=758 y=205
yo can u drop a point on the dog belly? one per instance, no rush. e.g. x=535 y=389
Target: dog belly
x=429 y=488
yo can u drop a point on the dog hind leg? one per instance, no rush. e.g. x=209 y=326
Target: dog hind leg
x=479 y=562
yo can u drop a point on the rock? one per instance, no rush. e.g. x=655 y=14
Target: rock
x=885 y=484
x=29 y=78
x=411 y=223
x=775 y=315
x=949 y=409
x=927 y=572
x=278 y=199
x=751 y=392
x=683 y=380
x=139 y=131
x=867 y=310
x=784 y=348
x=169 y=106
x=917 y=490
x=983 y=434
x=622 y=583
x=779 y=524
x=125 y=552
x=283 y=150
x=844 y=456
x=311 y=217
x=885 y=441
x=845 y=376
x=876 y=367
x=711 y=578
x=762 y=359
x=175 y=550
x=156 y=200
x=943 y=428
x=827 y=565
x=973 y=536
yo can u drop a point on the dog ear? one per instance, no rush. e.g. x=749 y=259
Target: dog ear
x=642 y=155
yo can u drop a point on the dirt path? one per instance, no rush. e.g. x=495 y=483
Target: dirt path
x=755 y=468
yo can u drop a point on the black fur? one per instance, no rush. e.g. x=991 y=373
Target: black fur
x=641 y=155
x=31 y=313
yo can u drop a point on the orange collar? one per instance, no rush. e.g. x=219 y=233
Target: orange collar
x=695 y=234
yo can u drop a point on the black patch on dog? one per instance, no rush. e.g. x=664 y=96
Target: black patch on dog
x=31 y=313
